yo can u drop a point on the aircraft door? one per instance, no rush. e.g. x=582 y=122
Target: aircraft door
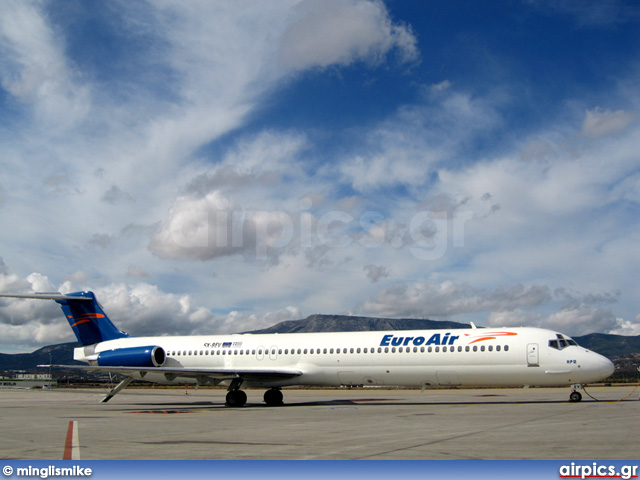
x=533 y=359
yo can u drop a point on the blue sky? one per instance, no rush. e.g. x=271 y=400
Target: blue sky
x=216 y=167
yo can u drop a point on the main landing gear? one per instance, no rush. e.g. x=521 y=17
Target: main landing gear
x=235 y=396
x=575 y=396
x=238 y=398
x=273 y=397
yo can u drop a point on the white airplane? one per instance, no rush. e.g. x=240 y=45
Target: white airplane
x=416 y=358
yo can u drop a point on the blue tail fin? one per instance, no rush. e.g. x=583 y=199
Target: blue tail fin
x=87 y=319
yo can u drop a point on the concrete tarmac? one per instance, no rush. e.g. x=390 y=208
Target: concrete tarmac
x=157 y=423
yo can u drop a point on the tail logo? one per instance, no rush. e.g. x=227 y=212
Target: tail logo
x=85 y=318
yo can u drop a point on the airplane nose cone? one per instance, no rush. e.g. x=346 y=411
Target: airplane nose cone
x=606 y=367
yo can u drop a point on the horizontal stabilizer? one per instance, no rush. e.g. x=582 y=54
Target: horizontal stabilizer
x=48 y=296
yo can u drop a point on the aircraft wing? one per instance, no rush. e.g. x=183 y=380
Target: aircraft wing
x=216 y=375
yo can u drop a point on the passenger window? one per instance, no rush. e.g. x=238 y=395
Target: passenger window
x=421 y=349
x=497 y=348
x=430 y=349
x=358 y=351
x=491 y=348
x=400 y=350
x=475 y=348
x=459 y=349
x=437 y=349
x=466 y=349
x=506 y=348
x=331 y=350
x=482 y=348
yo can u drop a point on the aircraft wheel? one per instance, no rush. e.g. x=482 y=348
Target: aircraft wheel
x=236 y=398
x=273 y=397
x=575 y=396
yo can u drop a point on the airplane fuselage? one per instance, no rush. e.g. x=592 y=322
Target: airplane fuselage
x=466 y=357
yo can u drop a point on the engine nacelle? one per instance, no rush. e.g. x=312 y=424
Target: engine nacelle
x=151 y=356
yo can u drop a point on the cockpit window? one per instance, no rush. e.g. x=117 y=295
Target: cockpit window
x=561 y=342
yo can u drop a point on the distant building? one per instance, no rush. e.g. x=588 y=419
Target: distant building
x=28 y=380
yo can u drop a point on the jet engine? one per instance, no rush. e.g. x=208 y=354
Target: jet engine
x=151 y=356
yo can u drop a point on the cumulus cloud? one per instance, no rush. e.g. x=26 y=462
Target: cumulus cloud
x=336 y=32
x=581 y=320
x=197 y=228
x=627 y=327
x=599 y=122
x=211 y=227
x=24 y=324
x=433 y=300
x=408 y=148
x=376 y=272
x=513 y=318
x=262 y=160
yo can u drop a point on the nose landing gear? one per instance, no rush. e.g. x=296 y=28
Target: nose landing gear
x=575 y=396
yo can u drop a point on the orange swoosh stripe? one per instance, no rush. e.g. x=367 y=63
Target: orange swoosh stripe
x=86 y=317
x=493 y=336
